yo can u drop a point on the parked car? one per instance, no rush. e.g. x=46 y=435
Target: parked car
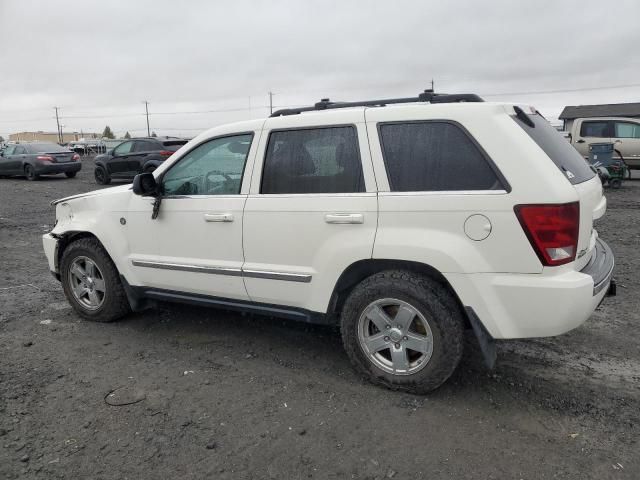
x=403 y=224
x=134 y=156
x=623 y=132
x=34 y=159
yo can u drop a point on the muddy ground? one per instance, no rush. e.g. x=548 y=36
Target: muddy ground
x=205 y=393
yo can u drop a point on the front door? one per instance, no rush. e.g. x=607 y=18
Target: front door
x=195 y=243
x=312 y=210
x=591 y=131
x=118 y=164
x=626 y=138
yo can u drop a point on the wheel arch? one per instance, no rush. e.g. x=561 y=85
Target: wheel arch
x=358 y=271
x=66 y=238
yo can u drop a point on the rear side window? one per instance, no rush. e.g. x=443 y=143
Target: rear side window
x=434 y=156
x=319 y=160
x=566 y=158
x=145 y=146
x=627 y=130
x=595 y=129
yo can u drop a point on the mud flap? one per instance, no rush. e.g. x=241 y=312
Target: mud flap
x=485 y=340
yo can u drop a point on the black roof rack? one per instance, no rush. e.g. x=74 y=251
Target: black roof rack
x=426 y=96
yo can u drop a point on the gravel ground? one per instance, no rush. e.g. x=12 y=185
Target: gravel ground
x=188 y=392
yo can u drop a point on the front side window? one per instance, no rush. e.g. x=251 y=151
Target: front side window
x=123 y=148
x=434 y=156
x=627 y=130
x=212 y=168
x=9 y=151
x=594 y=129
x=315 y=160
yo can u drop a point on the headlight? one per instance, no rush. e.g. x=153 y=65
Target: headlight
x=64 y=213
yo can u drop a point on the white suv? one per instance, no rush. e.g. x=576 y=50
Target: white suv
x=403 y=221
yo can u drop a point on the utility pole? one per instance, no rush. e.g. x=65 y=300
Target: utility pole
x=432 y=85
x=58 y=123
x=146 y=108
x=271 y=94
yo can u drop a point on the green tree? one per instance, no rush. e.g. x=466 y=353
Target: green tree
x=107 y=133
x=127 y=136
x=153 y=134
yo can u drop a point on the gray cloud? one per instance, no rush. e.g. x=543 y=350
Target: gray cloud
x=101 y=59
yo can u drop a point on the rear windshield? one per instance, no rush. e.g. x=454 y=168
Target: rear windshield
x=558 y=149
x=46 y=148
x=173 y=145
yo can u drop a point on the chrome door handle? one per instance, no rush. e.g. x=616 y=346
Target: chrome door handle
x=344 y=218
x=218 y=217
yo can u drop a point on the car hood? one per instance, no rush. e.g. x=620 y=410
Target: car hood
x=94 y=193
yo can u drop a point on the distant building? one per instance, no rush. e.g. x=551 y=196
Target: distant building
x=50 y=136
x=570 y=113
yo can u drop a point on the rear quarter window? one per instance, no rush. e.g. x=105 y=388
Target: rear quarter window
x=435 y=156
x=565 y=157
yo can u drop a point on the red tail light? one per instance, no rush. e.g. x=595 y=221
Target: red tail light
x=45 y=158
x=166 y=153
x=552 y=230
x=76 y=157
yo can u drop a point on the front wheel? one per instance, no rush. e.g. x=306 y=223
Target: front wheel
x=615 y=183
x=403 y=330
x=101 y=176
x=30 y=173
x=91 y=282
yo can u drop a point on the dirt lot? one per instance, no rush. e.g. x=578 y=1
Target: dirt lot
x=217 y=394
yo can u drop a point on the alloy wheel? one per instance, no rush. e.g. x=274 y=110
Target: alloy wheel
x=395 y=336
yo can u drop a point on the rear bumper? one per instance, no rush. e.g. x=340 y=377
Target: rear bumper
x=536 y=305
x=52 y=168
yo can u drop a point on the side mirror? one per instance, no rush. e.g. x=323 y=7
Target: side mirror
x=145 y=184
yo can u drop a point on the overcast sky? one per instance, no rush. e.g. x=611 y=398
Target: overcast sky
x=98 y=60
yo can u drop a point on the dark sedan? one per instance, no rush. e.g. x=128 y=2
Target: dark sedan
x=34 y=159
x=134 y=156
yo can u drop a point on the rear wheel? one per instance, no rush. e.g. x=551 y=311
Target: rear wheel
x=70 y=174
x=91 y=282
x=101 y=176
x=615 y=183
x=403 y=330
x=30 y=172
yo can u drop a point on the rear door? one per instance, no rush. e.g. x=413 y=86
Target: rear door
x=141 y=150
x=626 y=136
x=591 y=131
x=312 y=208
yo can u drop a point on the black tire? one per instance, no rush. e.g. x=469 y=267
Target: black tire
x=115 y=304
x=429 y=298
x=70 y=174
x=150 y=169
x=615 y=183
x=101 y=176
x=30 y=172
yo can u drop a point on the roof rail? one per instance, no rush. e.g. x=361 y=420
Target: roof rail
x=426 y=96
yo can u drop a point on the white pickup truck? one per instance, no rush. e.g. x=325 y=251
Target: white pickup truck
x=624 y=133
